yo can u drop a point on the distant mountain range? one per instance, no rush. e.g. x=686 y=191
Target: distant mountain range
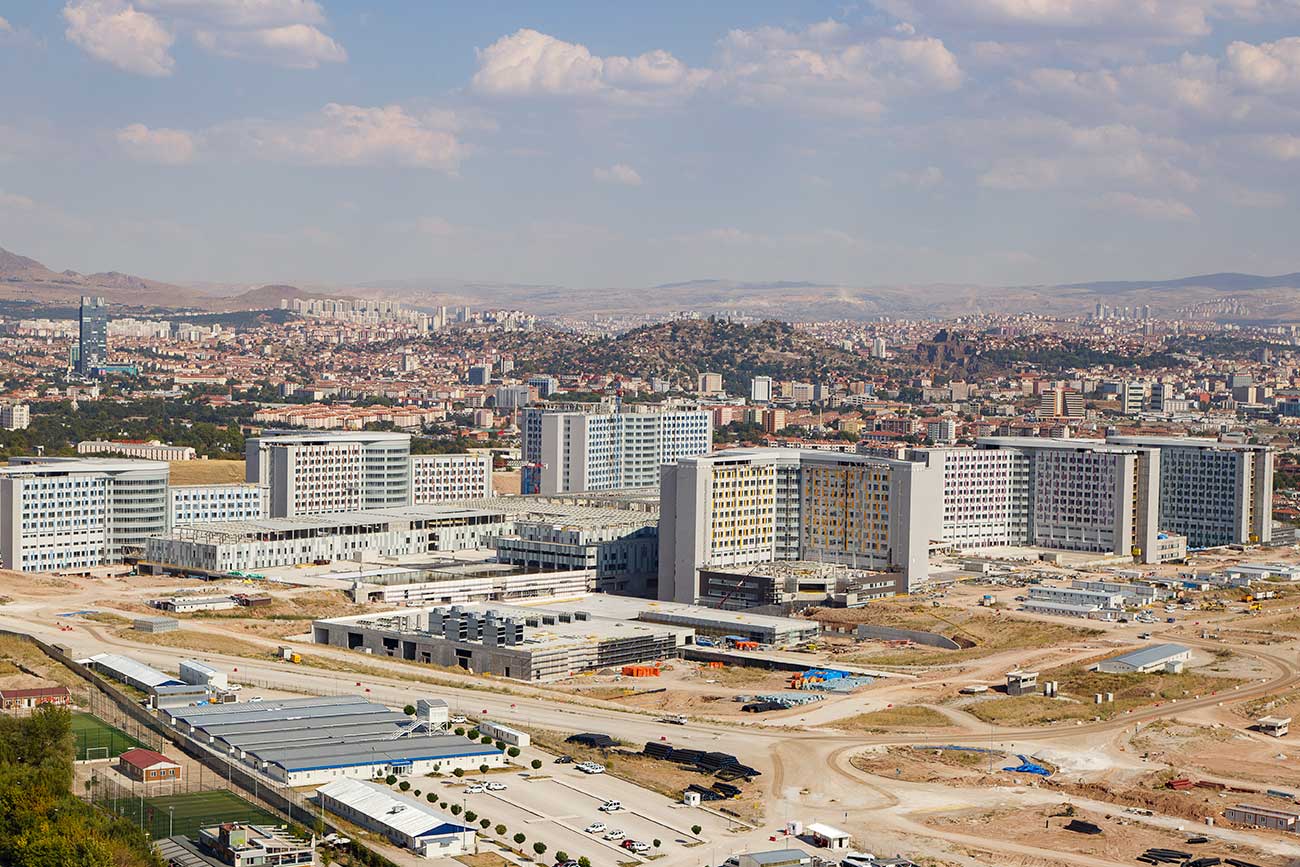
x=1226 y=296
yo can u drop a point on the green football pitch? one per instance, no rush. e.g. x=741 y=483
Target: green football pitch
x=186 y=814
x=96 y=739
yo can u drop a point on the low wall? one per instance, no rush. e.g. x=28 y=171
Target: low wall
x=888 y=633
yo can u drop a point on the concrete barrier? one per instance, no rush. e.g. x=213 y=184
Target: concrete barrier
x=888 y=633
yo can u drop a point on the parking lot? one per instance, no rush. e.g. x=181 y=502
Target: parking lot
x=555 y=803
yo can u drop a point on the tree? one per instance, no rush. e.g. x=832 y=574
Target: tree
x=416 y=793
x=460 y=731
x=657 y=843
x=584 y=861
x=470 y=815
x=561 y=855
x=484 y=823
x=486 y=739
x=409 y=710
x=455 y=809
x=696 y=829
x=432 y=797
x=539 y=847
x=520 y=838
x=535 y=764
x=501 y=745
x=458 y=772
x=482 y=769
x=500 y=829
x=513 y=752
x=390 y=779
x=472 y=734
x=404 y=786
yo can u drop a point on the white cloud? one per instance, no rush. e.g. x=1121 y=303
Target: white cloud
x=296 y=46
x=117 y=33
x=1270 y=67
x=15 y=202
x=5 y=26
x=1180 y=18
x=353 y=135
x=528 y=62
x=619 y=173
x=1146 y=207
x=158 y=145
x=1278 y=147
x=924 y=179
x=240 y=14
x=828 y=68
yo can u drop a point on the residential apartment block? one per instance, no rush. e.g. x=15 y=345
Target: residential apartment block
x=439 y=478
x=76 y=513
x=202 y=504
x=582 y=451
x=330 y=471
x=749 y=506
x=1212 y=492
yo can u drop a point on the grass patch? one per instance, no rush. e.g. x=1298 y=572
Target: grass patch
x=96 y=739
x=108 y=618
x=207 y=472
x=911 y=716
x=303 y=606
x=187 y=813
x=1078 y=685
x=986 y=633
x=200 y=641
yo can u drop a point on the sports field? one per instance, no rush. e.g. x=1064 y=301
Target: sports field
x=96 y=739
x=190 y=812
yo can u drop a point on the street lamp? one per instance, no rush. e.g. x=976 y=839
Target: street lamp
x=171 y=814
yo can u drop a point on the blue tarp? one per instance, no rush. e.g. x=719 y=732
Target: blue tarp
x=1029 y=767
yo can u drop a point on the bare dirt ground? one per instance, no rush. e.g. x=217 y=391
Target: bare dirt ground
x=1122 y=838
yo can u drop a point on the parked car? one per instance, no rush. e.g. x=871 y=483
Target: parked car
x=496 y=787
x=615 y=834
x=636 y=846
x=595 y=828
x=476 y=789
x=563 y=760
x=591 y=768
x=610 y=807
x=457 y=720
x=255 y=698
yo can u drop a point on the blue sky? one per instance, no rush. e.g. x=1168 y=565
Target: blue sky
x=594 y=144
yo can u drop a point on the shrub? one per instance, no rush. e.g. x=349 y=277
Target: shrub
x=455 y=809
x=472 y=734
x=500 y=829
x=486 y=739
x=539 y=847
x=390 y=779
x=584 y=861
x=535 y=764
x=409 y=710
x=657 y=843
x=520 y=838
x=696 y=829
x=432 y=797
x=482 y=769
x=404 y=786
x=460 y=730
x=470 y=815
x=485 y=823
x=416 y=793
x=513 y=752
x=443 y=805
x=459 y=772
x=561 y=855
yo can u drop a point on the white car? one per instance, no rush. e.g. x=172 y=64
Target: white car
x=496 y=787
x=591 y=768
x=610 y=807
x=255 y=698
x=639 y=847
x=457 y=720
x=616 y=834
x=594 y=828
x=476 y=789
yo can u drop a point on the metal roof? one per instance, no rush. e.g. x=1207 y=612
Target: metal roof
x=289 y=708
x=370 y=751
x=1152 y=655
x=304 y=737
x=385 y=807
x=249 y=729
x=129 y=669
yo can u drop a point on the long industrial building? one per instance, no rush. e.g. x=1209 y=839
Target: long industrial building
x=524 y=643
x=311 y=741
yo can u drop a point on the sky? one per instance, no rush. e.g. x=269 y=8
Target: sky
x=633 y=144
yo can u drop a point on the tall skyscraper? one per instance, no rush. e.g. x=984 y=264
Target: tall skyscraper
x=581 y=451
x=760 y=389
x=310 y=473
x=92 y=345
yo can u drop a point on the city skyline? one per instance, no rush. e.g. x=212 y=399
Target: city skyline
x=982 y=142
